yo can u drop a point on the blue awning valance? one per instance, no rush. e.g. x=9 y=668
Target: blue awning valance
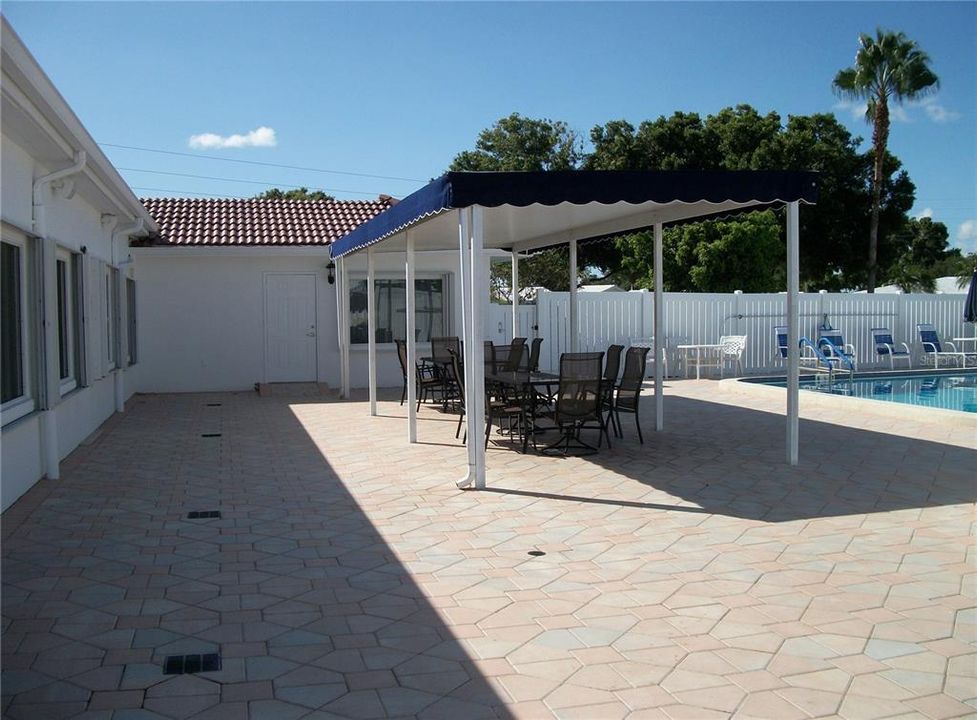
x=537 y=208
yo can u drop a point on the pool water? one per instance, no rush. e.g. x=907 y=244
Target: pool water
x=956 y=391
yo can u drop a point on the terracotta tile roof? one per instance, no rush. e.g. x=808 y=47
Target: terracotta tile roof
x=226 y=221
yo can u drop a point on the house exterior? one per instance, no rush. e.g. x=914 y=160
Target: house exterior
x=69 y=351
x=239 y=292
x=104 y=295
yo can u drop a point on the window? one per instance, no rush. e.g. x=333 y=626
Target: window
x=16 y=398
x=131 y=318
x=391 y=320
x=111 y=316
x=68 y=309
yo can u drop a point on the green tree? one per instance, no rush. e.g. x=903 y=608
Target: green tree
x=517 y=143
x=887 y=67
x=926 y=257
x=520 y=143
x=745 y=253
x=302 y=193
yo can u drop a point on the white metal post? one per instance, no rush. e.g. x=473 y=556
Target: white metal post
x=344 y=327
x=371 y=327
x=659 y=343
x=411 y=341
x=470 y=352
x=476 y=411
x=573 y=329
x=793 y=334
x=515 y=293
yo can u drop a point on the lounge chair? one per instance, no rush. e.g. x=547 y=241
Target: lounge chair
x=832 y=343
x=885 y=347
x=807 y=356
x=934 y=350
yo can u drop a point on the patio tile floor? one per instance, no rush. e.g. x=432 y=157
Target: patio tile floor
x=694 y=576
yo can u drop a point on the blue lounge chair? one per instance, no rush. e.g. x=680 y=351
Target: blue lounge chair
x=832 y=343
x=934 y=350
x=885 y=347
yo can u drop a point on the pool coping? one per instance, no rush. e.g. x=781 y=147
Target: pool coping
x=753 y=386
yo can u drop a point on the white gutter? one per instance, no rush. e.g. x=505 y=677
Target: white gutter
x=50 y=375
x=136 y=228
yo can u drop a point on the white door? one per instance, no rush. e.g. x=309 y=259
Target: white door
x=290 y=327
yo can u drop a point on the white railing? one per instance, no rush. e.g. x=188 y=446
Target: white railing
x=610 y=318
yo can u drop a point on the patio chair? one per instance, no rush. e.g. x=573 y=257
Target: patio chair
x=578 y=402
x=441 y=351
x=427 y=380
x=731 y=349
x=934 y=350
x=807 y=356
x=885 y=347
x=629 y=389
x=832 y=343
x=650 y=344
x=493 y=407
x=517 y=355
x=612 y=367
x=534 y=354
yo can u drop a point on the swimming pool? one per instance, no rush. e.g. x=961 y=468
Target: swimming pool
x=956 y=390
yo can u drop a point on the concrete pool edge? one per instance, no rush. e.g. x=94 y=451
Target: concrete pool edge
x=853 y=405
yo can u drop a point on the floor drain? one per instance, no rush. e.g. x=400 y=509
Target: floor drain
x=188 y=664
x=537 y=553
x=203 y=514
x=210 y=434
x=213 y=404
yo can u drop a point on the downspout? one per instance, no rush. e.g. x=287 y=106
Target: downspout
x=49 y=377
x=135 y=228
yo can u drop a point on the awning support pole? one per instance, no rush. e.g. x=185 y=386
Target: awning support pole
x=658 y=329
x=793 y=333
x=515 y=293
x=476 y=411
x=409 y=301
x=573 y=329
x=469 y=350
x=344 y=328
x=371 y=326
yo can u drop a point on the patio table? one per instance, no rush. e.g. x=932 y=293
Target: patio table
x=526 y=381
x=687 y=351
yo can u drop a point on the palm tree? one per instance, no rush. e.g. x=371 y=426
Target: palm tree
x=889 y=66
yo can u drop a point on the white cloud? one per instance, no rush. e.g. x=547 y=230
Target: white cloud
x=857 y=109
x=926 y=213
x=938 y=113
x=967 y=232
x=934 y=111
x=262 y=137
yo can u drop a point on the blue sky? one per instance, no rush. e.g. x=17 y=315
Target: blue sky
x=396 y=90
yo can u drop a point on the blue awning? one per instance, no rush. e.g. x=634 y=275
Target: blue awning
x=536 y=209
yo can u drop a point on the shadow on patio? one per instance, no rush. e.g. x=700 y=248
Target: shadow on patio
x=310 y=607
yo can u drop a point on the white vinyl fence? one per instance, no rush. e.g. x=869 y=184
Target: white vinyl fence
x=614 y=318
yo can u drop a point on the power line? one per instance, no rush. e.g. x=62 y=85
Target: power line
x=265 y=164
x=182 y=192
x=237 y=180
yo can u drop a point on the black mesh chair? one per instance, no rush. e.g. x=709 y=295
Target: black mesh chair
x=612 y=366
x=629 y=389
x=578 y=402
x=427 y=381
x=494 y=408
x=517 y=355
x=441 y=350
x=534 y=354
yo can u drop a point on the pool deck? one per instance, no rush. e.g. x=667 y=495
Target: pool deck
x=694 y=576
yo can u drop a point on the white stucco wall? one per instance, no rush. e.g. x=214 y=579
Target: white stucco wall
x=201 y=315
x=71 y=224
